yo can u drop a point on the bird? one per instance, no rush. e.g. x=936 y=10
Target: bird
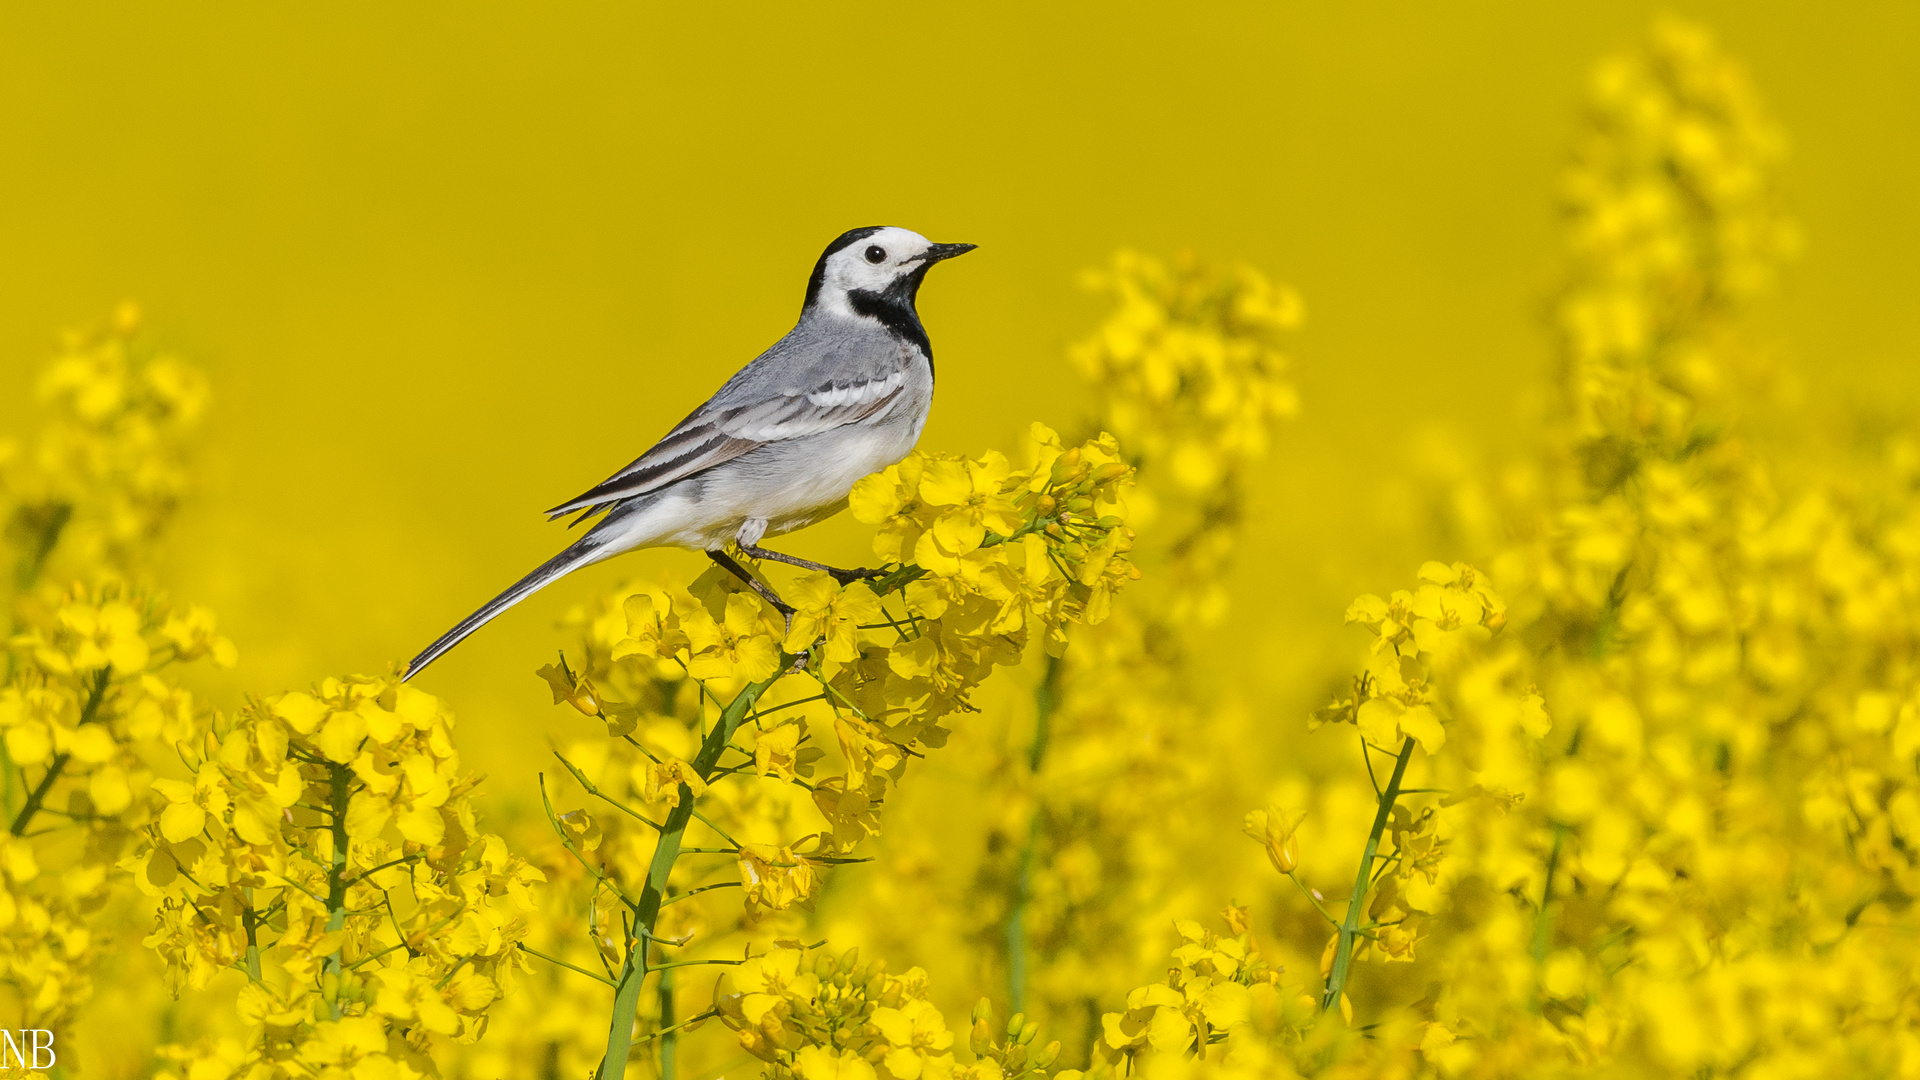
x=841 y=396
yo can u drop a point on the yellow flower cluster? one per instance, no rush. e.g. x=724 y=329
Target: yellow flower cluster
x=1715 y=845
x=1431 y=678
x=1075 y=852
x=839 y=1019
x=1437 y=676
x=980 y=556
x=1648 y=809
x=1673 y=218
x=997 y=549
x=1208 y=994
x=1699 y=865
x=89 y=692
x=100 y=483
x=326 y=847
x=1189 y=365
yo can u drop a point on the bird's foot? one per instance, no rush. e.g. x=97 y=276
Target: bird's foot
x=785 y=609
x=844 y=577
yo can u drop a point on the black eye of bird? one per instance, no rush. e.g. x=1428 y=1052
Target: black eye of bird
x=876 y=254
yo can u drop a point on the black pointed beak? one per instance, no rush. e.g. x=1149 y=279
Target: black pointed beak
x=937 y=252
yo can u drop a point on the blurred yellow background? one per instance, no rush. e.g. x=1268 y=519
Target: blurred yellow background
x=449 y=264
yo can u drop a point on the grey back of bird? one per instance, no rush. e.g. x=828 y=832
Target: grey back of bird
x=841 y=395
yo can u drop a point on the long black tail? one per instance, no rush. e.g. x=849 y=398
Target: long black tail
x=578 y=554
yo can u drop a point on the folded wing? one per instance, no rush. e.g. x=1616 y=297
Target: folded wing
x=715 y=435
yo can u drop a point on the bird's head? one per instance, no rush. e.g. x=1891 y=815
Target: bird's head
x=877 y=265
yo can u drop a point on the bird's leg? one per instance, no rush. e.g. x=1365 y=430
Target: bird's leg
x=844 y=577
x=734 y=567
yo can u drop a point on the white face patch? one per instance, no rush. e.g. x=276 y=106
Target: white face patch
x=872 y=264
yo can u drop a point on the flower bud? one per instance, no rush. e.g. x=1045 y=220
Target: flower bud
x=579 y=827
x=1274 y=828
x=980 y=1040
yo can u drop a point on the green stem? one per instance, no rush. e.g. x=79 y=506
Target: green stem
x=578 y=856
x=698 y=963
x=364 y=874
x=11 y=778
x=59 y=763
x=707 y=774
x=530 y=950
x=1312 y=899
x=35 y=560
x=1543 y=922
x=39 y=794
x=581 y=779
x=682 y=1025
x=633 y=972
x=698 y=891
x=1046 y=698
x=669 y=1036
x=338 y=775
x=250 y=920
x=1350 y=927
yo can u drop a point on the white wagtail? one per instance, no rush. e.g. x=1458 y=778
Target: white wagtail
x=843 y=395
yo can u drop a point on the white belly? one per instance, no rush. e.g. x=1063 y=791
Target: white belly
x=788 y=485
x=818 y=488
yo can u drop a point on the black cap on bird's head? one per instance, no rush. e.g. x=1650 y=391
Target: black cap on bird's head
x=879 y=259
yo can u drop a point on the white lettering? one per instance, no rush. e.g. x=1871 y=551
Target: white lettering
x=10 y=1050
x=38 y=1046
